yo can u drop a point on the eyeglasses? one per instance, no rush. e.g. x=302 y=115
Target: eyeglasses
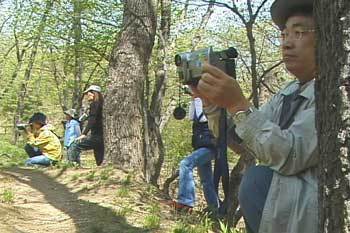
x=294 y=34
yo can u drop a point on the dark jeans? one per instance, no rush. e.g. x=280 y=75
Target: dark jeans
x=93 y=142
x=252 y=195
x=32 y=151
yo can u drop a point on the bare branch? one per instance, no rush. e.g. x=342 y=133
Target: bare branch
x=269 y=70
x=245 y=64
x=207 y=15
x=4 y=22
x=267 y=87
x=258 y=10
x=260 y=79
x=235 y=10
x=250 y=10
x=101 y=22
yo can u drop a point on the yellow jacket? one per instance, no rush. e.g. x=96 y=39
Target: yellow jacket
x=47 y=142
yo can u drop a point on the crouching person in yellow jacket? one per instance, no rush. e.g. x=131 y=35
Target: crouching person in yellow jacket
x=43 y=141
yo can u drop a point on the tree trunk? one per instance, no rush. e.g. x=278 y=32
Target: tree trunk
x=332 y=114
x=245 y=160
x=128 y=68
x=255 y=87
x=154 y=147
x=20 y=57
x=78 y=60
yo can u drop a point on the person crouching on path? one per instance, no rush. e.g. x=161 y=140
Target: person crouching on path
x=72 y=128
x=42 y=141
x=94 y=125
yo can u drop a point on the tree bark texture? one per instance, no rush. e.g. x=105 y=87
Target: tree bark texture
x=246 y=160
x=333 y=114
x=153 y=144
x=128 y=68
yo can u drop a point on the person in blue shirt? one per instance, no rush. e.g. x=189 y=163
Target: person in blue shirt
x=72 y=128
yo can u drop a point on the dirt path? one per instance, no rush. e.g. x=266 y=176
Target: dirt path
x=42 y=204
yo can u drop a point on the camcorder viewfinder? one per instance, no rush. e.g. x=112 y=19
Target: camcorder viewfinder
x=190 y=64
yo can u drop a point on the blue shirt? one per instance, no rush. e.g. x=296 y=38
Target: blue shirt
x=72 y=132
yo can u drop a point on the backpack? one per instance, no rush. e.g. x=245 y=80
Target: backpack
x=201 y=135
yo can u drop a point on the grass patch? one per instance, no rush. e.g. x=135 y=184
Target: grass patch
x=151 y=222
x=124 y=211
x=8 y=196
x=154 y=208
x=127 y=180
x=106 y=173
x=122 y=192
x=185 y=228
x=75 y=177
x=91 y=176
x=11 y=155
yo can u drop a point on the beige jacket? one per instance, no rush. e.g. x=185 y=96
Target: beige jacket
x=291 y=205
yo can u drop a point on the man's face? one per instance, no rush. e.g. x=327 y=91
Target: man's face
x=298 y=47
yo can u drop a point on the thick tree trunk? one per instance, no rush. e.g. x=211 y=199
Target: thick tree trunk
x=123 y=110
x=333 y=112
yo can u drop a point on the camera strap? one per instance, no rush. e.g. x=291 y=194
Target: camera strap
x=221 y=169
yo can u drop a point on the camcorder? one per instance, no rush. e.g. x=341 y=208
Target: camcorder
x=83 y=117
x=190 y=64
x=22 y=126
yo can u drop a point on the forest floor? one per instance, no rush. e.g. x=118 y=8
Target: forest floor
x=86 y=200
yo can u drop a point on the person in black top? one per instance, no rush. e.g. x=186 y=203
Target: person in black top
x=94 y=126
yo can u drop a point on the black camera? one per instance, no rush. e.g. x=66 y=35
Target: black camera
x=190 y=65
x=22 y=126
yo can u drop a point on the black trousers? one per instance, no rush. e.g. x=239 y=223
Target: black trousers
x=93 y=142
x=32 y=151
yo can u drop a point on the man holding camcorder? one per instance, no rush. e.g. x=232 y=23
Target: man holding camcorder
x=279 y=195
